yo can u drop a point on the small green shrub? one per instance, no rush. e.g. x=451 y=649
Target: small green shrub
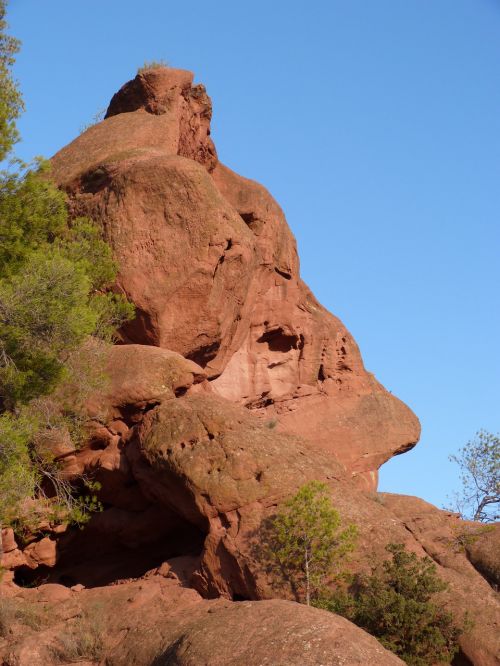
x=464 y=536
x=152 y=64
x=397 y=605
x=304 y=542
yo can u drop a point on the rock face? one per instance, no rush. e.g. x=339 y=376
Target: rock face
x=210 y=263
x=232 y=388
x=188 y=479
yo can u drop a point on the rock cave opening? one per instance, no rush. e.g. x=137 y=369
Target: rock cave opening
x=279 y=341
x=94 y=557
x=204 y=354
x=24 y=576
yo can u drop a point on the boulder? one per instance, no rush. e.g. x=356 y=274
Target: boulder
x=137 y=377
x=274 y=633
x=160 y=622
x=41 y=553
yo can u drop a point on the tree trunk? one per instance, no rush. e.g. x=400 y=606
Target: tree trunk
x=308 y=584
x=488 y=499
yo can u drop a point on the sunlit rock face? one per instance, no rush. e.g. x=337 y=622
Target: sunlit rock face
x=209 y=261
x=233 y=387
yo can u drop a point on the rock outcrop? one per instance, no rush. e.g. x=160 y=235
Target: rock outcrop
x=211 y=265
x=232 y=387
x=188 y=478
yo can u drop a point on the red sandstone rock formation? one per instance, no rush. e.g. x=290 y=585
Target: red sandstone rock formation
x=234 y=387
x=211 y=265
x=188 y=478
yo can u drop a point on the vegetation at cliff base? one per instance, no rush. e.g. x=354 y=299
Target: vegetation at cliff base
x=56 y=317
x=399 y=604
x=304 y=542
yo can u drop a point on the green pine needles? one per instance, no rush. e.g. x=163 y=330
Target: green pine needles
x=398 y=605
x=11 y=103
x=305 y=545
x=57 y=315
x=54 y=274
x=305 y=542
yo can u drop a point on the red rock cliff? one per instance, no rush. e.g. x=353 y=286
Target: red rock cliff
x=211 y=265
x=236 y=387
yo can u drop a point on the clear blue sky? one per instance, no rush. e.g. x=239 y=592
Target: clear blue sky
x=376 y=125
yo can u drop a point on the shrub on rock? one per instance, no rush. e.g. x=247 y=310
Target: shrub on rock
x=398 y=606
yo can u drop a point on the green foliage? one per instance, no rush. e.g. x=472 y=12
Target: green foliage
x=32 y=213
x=152 y=64
x=479 y=462
x=51 y=289
x=111 y=311
x=305 y=542
x=30 y=467
x=56 y=313
x=82 y=244
x=18 y=477
x=44 y=314
x=397 y=606
x=465 y=535
x=11 y=103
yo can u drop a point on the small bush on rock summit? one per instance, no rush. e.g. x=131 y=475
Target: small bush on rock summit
x=152 y=64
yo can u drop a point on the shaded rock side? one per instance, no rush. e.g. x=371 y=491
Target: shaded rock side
x=210 y=263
